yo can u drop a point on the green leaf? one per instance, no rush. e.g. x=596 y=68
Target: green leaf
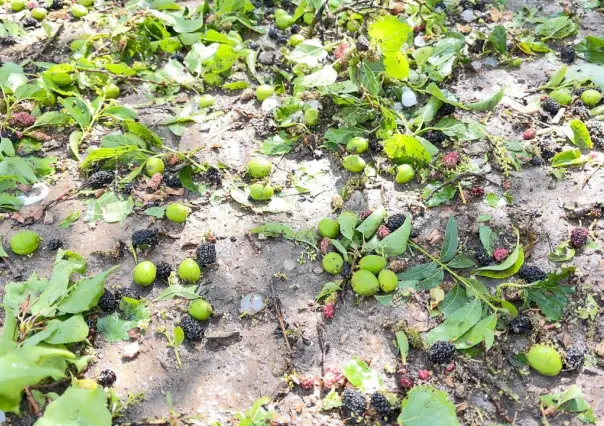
x=182 y=25
x=106 y=153
x=51 y=118
x=454 y=128
x=358 y=373
x=591 y=48
x=143 y=132
x=488 y=103
x=78 y=110
x=448 y=98
x=331 y=400
x=557 y=28
x=441 y=196
x=72 y=330
x=562 y=253
x=348 y=222
x=557 y=77
x=327 y=289
x=457 y=324
x=120 y=69
x=108 y=207
x=487 y=238
x=390 y=33
x=368 y=78
x=186 y=177
x=86 y=293
x=278 y=144
x=176 y=290
x=19 y=169
x=157 y=212
x=78 y=406
x=403 y=148
x=484 y=330
x=396 y=66
x=342 y=135
x=425 y=405
x=571 y=157
x=71 y=218
x=179 y=336
x=275 y=229
x=426 y=276
x=403 y=345
x=451 y=241
x=507 y=268
x=581 y=136
x=395 y=244
x=446 y=51
x=371 y=224
x=454 y=300
x=461 y=261
x=549 y=296
x=74 y=143
x=310 y=52
x=120 y=113
x=322 y=77
x=498 y=39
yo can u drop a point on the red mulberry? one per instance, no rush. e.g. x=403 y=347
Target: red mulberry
x=477 y=191
x=529 y=134
x=324 y=245
x=383 y=232
x=500 y=254
x=578 y=237
x=365 y=214
x=329 y=310
x=450 y=160
x=22 y=119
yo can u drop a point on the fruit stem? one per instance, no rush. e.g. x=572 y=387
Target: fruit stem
x=459 y=278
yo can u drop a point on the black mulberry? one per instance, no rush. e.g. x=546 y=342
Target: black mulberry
x=578 y=237
x=579 y=109
x=8 y=41
x=477 y=47
x=127 y=292
x=375 y=146
x=206 y=254
x=163 y=270
x=55 y=244
x=106 y=378
x=362 y=44
x=172 y=180
x=520 y=325
x=550 y=105
x=395 y=221
x=381 y=405
x=56 y=5
x=537 y=161
x=29 y=22
x=434 y=136
x=212 y=176
x=483 y=258
x=530 y=274
x=108 y=302
x=128 y=188
x=100 y=179
x=145 y=238
x=567 y=54
x=92 y=330
x=447 y=109
x=441 y=352
x=178 y=57
x=193 y=329
x=274 y=33
x=354 y=402
x=295 y=29
x=574 y=357
x=346 y=270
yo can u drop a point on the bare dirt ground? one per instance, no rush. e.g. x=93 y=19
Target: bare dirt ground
x=242 y=359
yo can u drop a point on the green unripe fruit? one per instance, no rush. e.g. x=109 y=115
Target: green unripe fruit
x=144 y=273
x=349 y=216
x=264 y=91
x=333 y=263
x=78 y=11
x=328 y=228
x=212 y=79
x=189 y=270
x=591 y=97
x=200 y=309
x=372 y=263
x=563 y=96
x=260 y=192
x=111 y=91
x=295 y=39
x=17 y=5
x=50 y=99
x=404 y=173
x=384 y=133
x=24 y=243
x=206 y=101
x=86 y=3
x=177 y=212
x=259 y=167
x=352 y=26
x=39 y=13
x=388 y=281
x=61 y=79
x=364 y=283
x=311 y=116
x=308 y=18
x=280 y=12
x=353 y=163
x=284 y=21
x=357 y=145
x=154 y=165
x=545 y=359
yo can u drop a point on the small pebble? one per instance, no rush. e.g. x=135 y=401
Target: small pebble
x=408 y=98
x=468 y=15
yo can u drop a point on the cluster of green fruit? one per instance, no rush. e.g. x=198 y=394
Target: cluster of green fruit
x=564 y=96
x=145 y=272
x=260 y=168
x=371 y=275
x=354 y=162
x=38 y=13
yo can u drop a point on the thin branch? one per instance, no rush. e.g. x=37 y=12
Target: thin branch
x=279 y=315
x=459 y=177
x=32 y=402
x=49 y=41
